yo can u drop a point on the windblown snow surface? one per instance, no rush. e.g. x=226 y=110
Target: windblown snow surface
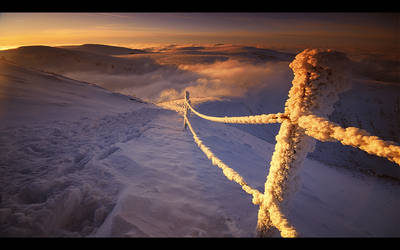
x=78 y=160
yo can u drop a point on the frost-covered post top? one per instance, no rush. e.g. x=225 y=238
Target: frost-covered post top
x=319 y=76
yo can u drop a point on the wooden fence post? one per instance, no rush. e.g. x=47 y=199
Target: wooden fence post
x=319 y=75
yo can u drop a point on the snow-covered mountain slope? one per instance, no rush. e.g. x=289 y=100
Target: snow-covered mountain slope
x=61 y=61
x=77 y=160
x=24 y=93
x=134 y=76
x=103 y=49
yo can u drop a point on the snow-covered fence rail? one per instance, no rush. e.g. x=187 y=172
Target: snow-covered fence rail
x=319 y=76
x=254 y=119
x=325 y=130
x=228 y=172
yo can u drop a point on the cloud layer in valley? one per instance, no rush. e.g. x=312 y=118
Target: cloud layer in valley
x=231 y=78
x=213 y=71
x=161 y=74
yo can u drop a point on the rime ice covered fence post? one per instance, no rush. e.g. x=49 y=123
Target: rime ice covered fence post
x=319 y=76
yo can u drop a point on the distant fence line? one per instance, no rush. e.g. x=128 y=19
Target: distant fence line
x=318 y=80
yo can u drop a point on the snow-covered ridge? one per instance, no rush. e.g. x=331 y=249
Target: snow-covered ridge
x=103 y=49
x=61 y=60
x=30 y=90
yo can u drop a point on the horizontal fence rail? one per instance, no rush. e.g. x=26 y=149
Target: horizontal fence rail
x=318 y=80
x=254 y=119
x=324 y=130
x=321 y=129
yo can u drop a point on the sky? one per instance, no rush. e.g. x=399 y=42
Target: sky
x=344 y=31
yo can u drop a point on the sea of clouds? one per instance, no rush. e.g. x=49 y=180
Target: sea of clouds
x=202 y=71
